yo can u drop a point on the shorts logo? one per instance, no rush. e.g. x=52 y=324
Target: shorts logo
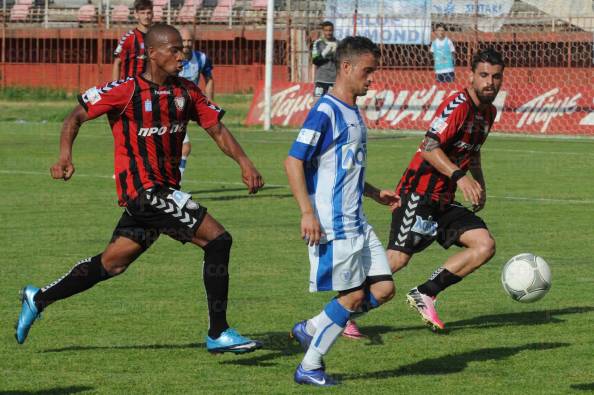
x=345 y=276
x=425 y=227
x=191 y=205
x=180 y=102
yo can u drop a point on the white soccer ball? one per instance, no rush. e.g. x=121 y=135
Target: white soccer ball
x=526 y=278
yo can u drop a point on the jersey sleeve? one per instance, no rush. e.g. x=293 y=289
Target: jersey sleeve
x=121 y=44
x=207 y=69
x=449 y=120
x=113 y=96
x=313 y=136
x=451 y=45
x=204 y=112
x=431 y=47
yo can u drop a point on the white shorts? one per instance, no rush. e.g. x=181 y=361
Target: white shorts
x=345 y=264
x=187 y=138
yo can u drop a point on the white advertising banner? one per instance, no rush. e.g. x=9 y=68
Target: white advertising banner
x=382 y=21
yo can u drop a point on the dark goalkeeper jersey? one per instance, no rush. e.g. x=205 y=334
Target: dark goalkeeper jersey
x=148 y=124
x=461 y=129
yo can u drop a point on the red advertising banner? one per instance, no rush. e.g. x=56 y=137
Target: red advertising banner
x=545 y=108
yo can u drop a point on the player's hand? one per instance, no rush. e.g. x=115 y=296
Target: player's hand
x=471 y=189
x=388 y=198
x=310 y=229
x=62 y=170
x=252 y=178
x=483 y=200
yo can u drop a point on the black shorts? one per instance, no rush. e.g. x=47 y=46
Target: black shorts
x=321 y=88
x=419 y=221
x=160 y=210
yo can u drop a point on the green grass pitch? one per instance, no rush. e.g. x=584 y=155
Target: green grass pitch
x=143 y=332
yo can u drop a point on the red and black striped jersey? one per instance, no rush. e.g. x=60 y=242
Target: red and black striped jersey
x=461 y=128
x=148 y=123
x=132 y=54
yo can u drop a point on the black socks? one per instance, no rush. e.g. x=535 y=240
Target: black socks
x=216 y=282
x=81 y=277
x=439 y=280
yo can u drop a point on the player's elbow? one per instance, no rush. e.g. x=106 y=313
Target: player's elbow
x=427 y=155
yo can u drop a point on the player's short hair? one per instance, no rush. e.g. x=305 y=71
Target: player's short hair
x=487 y=55
x=438 y=25
x=352 y=46
x=143 y=5
x=155 y=34
x=326 y=23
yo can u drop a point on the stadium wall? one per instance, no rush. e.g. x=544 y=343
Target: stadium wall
x=75 y=59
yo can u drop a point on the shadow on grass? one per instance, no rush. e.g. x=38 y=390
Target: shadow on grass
x=58 y=390
x=246 y=196
x=276 y=345
x=583 y=387
x=235 y=189
x=451 y=363
x=374 y=334
x=127 y=347
x=523 y=318
x=538 y=317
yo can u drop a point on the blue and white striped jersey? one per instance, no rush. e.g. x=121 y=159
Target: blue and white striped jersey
x=333 y=146
x=198 y=64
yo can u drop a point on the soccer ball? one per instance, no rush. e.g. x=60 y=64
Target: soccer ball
x=526 y=278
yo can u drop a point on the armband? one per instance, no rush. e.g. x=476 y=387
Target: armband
x=456 y=175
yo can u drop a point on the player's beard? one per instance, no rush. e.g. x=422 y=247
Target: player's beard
x=486 y=99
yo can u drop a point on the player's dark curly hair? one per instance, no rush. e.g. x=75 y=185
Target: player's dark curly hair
x=352 y=46
x=143 y=5
x=487 y=55
x=326 y=23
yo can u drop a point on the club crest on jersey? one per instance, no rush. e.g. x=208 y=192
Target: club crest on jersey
x=180 y=102
x=148 y=105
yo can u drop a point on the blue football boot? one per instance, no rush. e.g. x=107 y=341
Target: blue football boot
x=231 y=341
x=28 y=314
x=316 y=377
x=299 y=333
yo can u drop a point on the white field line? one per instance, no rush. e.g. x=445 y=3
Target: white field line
x=201 y=182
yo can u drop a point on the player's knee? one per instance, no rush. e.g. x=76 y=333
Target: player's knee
x=397 y=260
x=385 y=292
x=115 y=266
x=221 y=243
x=353 y=300
x=486 y=248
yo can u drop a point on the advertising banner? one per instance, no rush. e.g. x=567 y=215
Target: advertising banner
x=545 y=109
x=385 y=21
